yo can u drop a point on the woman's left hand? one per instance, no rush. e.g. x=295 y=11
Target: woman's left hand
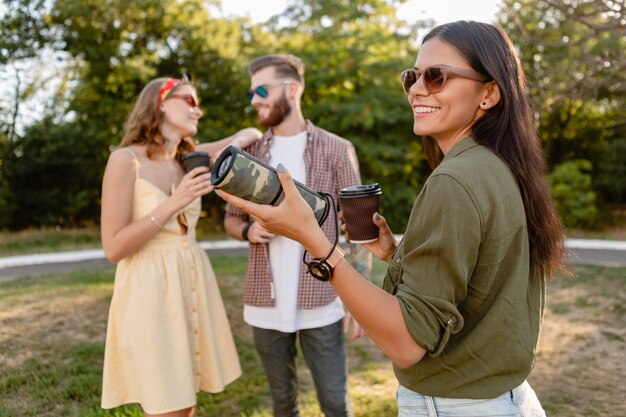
x=246 y=137
x=292 y=218
x=241 y=139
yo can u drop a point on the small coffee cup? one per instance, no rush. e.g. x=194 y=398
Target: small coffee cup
x=193 y=160
x=359 y=203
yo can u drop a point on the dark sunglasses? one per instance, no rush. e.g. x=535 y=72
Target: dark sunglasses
x=435 y=77
x=189 y=98
x=261 y=90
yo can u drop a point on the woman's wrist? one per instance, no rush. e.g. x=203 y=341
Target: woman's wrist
x=155 y=221
x=319 y=246
x=164 y=211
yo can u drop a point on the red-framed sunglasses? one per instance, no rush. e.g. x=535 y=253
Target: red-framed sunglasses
x=189 y=98
x=435 y=77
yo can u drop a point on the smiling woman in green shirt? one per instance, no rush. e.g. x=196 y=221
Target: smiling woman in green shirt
x=460 y=310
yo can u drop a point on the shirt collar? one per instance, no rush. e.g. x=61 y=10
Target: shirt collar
x=460 y=147
x=310 y=132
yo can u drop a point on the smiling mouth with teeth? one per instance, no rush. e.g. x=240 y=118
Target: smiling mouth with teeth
x=425 y=109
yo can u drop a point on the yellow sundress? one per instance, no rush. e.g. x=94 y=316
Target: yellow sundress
x=168 y=336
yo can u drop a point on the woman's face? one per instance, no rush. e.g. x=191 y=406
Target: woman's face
x=447 y=115
x=181 y=111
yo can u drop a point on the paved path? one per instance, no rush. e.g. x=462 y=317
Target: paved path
x=581 y=251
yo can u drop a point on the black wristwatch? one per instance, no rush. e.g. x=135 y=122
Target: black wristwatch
x=244 y=231
x=323 y=268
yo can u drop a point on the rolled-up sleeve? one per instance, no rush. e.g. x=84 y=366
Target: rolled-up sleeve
x=437 y=258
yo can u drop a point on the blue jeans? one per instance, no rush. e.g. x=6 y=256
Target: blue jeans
x=324 y=351
x=519 y=402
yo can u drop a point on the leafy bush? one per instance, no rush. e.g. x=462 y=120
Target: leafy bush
x=570 y=186
x=612 y=172
x=54 y=176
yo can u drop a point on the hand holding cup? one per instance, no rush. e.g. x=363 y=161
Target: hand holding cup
x=359 y=203
x=193 y=160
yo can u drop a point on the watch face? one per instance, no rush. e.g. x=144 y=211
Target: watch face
x=320 y=270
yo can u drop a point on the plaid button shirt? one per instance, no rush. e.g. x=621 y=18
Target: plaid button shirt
x=331 y=164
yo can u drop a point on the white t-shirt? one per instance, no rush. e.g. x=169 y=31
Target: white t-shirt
x=286 y=258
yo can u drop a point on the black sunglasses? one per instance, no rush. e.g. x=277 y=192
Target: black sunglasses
x=435 y=77
x=262 y=89
x=189 y=98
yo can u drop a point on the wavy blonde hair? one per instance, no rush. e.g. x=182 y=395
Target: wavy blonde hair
x=143 y=125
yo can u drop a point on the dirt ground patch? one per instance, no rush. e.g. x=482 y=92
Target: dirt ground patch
x=581 y=363
x=581 y=366
x=579 y=372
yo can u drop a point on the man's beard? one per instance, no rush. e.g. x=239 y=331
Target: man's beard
x=278 y=113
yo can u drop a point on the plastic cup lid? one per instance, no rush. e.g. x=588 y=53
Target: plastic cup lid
x=192 y=154
x=360 y=190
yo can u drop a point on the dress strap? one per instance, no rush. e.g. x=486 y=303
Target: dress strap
x=135 y=160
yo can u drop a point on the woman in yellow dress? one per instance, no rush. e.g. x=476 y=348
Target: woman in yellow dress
x=168 y=336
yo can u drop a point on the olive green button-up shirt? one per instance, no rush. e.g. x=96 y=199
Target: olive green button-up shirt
x=463 y=279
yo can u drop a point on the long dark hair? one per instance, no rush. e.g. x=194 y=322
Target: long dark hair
x=508 y=130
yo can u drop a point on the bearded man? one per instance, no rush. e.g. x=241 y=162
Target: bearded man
x=282 y=302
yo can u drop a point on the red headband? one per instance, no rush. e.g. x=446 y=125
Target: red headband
x=166 y=88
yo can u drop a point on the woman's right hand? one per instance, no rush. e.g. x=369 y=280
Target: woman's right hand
x=194 y=184
x=292 y=218
x=384 y=247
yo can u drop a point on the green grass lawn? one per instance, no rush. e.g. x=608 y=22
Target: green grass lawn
x=52 y=330
x=48 y=240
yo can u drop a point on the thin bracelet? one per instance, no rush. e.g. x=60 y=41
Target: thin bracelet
x=159 y=225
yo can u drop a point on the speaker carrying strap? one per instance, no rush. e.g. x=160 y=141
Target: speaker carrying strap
x=331 y=204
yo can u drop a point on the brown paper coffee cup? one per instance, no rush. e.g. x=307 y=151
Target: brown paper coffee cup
x=193 y=160
x=359 y=203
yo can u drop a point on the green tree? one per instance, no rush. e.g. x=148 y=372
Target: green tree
x=112 y=49
x=570 y=186
x=612 y=173
x=53 y=178
x=354 y=52
x=573 y=52
x=5 y=193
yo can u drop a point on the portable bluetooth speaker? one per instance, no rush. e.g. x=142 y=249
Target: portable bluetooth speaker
x=241 y=174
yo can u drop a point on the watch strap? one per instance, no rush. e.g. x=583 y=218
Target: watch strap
x=323 y=268
x=335 y=257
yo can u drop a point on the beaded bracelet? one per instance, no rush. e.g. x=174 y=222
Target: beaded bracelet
x=159 y=225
